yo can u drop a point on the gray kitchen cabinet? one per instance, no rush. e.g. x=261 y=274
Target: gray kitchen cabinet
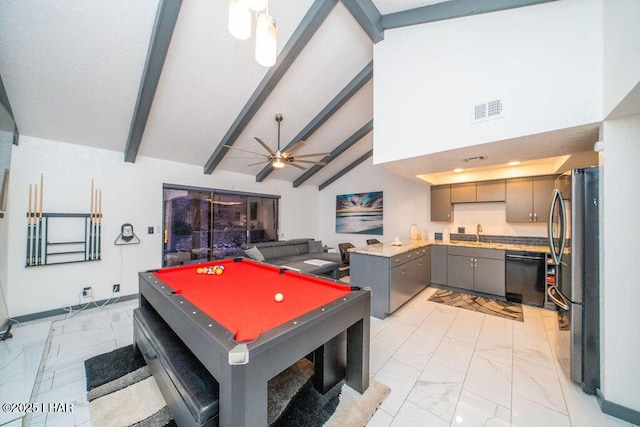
x=460 y=272
x=528 y=199
x=463 y=193
x=439 y=264
x=491 y=191
x=489 y=276
x=441 y=203
x=477 y=269
x=393 y=280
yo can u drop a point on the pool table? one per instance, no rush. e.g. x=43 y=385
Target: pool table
x=232 y=323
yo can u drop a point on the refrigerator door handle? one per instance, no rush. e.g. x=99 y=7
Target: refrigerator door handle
x=557 y=254
x=556 y=296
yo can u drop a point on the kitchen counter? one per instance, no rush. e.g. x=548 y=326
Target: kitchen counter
x=387 y=249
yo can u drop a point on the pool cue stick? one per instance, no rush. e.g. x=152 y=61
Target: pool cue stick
x=34 y=224
x=90 y=254
x=29 y=228
x=39 y=251
x=99 y=221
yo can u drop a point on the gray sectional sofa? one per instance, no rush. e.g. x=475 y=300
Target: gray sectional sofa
x=289 y=251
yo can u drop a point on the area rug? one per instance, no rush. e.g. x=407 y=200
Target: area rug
x=484 y=305
x=116 y=381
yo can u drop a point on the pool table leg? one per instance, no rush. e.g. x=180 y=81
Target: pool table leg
x=357 y=375
x=329 y=363
x=243 y=398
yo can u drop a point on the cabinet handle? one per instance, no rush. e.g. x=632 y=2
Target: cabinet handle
x=535 y=216
x=530 y=216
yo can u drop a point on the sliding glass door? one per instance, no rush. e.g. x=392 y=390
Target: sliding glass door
x=202 y=224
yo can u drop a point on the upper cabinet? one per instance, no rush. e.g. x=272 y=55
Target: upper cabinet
x=491 y=191
x=463 y=193
x=441 y=203
x=528 y=199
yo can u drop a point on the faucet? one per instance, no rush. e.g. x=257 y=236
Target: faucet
x=478 y=230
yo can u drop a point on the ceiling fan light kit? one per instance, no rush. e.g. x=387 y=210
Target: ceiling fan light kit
x=279 y=159
x=266 y=29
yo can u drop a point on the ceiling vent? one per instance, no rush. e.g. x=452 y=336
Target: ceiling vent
x=488 y=111
x=476 y=158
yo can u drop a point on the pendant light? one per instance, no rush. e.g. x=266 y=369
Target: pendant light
x=266 y=40
x=239 y=19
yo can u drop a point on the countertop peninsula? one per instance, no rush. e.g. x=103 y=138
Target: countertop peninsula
x=388 y=249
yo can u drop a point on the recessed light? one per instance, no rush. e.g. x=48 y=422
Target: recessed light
x=458 y=170
x=514 y=163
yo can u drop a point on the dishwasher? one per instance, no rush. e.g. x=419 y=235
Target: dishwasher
x=525 y=275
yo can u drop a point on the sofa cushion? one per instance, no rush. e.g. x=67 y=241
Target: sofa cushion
x=254 y=253
x=315 y=247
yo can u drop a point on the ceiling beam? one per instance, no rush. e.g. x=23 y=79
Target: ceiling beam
x=348 y=143
x=364 y=76
x=4 y=100
x=314 y=18
x=368 y=16
x=450 y=10
x=163 y=27
x=345 y=170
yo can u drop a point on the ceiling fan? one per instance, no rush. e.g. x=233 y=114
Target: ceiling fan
x=280 y=158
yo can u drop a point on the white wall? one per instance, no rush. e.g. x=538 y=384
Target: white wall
x=620 y=336
x=405 y=202
x=621 y=50
x=543 y=61
x=131 y=193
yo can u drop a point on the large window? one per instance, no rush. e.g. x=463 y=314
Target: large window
x=205 y=224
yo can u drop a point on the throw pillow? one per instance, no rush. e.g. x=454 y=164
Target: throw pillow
x=254 y=253
x=315 y=247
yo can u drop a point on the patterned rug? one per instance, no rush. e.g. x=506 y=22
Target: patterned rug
x=508 y=310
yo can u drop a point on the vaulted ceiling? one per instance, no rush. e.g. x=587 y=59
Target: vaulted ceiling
x=165 y=79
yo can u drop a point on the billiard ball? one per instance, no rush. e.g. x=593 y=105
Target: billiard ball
x=218 y=270
x=200 y=270
x=279 y=297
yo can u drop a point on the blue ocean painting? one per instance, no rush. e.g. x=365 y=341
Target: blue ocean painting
x=359 y=213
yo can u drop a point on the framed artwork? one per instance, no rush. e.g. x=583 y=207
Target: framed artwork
x=359 y=213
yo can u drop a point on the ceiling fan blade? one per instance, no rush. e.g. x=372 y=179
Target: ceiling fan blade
x=296 y=166
x=311 y=155
x=309 y=161
x=259 y=163
x=264 y=144
x=294 y=148
x=247 y=151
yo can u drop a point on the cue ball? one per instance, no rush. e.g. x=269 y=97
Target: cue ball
x=279 y=297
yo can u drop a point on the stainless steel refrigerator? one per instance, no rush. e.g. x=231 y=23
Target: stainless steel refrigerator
x=574 y=241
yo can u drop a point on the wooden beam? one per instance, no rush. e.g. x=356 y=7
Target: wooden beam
x=450 y=10
x=163 y=27
x=4 y=100
x=368 y=16
x=364 y=76
x=345 y=170
x=348 y=143
x=314 y=18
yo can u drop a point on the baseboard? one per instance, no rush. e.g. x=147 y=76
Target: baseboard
x=618 y=411
x=58 y=311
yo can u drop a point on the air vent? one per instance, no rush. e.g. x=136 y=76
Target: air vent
x=487 y=111
x=476 y=158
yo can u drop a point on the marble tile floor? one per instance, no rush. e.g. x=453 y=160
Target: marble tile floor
x=445 y=366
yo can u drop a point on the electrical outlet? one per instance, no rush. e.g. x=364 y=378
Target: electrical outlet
x=116 y=288
x=87 y=292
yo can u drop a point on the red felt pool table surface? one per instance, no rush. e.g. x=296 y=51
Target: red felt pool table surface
x=242 y=299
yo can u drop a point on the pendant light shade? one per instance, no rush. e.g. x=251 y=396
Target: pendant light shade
x=239 y=19
x=256 y=5
x=266 y=40
x=278 y=164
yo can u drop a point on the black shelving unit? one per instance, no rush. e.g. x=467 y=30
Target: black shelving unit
x=42 y=251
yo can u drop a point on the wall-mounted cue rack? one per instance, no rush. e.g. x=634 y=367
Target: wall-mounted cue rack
x=62 y=238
